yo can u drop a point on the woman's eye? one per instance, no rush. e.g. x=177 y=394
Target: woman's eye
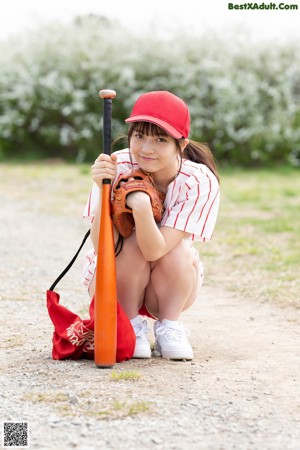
x=161 y=139
x=138 y=135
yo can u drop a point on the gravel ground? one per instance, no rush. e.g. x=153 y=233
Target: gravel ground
x=241 y=391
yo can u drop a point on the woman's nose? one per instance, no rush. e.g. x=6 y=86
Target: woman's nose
x=147 y=147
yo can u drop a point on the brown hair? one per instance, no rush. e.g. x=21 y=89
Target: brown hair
x=198 y=152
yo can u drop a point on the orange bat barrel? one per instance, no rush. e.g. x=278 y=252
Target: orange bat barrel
x=105 y=308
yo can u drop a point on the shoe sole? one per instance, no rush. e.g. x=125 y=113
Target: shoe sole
x=177 y=356
x=142 y=355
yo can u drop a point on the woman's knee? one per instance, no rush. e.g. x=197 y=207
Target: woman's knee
x=130 y=259
x=179 y=259
x=130 y=251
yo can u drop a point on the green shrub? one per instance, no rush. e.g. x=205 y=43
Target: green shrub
x=244 y=98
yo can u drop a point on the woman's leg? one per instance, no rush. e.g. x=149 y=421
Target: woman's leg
x=133 y=275
x=167 y=286
x=174 y=284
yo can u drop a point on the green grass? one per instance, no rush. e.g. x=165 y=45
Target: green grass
x=255 y=250
x=115 y=409
x=12 y=342
x=89 y=404
x=127 y=375
x=45 y=397
x=55 y=188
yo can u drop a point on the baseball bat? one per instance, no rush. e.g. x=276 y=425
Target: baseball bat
x=105 y=307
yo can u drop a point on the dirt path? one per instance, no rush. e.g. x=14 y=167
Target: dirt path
x=240 y=392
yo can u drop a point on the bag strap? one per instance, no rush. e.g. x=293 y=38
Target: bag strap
x=71 y=262
x=118 y=248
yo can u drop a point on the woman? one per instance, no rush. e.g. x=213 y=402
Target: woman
x=158 y=270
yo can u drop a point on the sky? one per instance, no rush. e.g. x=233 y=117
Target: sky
x=161 y=15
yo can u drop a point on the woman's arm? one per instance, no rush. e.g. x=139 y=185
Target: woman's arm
x=95 y=227
x=153 y=242
x=103 y=168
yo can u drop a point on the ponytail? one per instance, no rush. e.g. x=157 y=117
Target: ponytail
x=200 y=152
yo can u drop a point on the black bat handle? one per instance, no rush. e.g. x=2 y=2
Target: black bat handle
x=107 y=95
x=107 y=126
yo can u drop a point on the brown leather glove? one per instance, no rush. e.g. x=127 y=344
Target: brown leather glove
x=121 y=213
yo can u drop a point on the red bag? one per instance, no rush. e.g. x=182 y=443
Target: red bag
x=73 y=338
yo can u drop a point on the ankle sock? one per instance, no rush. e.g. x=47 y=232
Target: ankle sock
x=137 y=319
x=171 y=322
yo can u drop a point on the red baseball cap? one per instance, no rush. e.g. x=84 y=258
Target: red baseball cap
x=163 y=109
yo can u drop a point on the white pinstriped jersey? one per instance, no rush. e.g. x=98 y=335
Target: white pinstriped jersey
x=191 y=203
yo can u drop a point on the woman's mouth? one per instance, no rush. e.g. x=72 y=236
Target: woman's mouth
x=147 y=158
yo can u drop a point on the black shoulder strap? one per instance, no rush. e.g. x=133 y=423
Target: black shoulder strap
x=71 y=262
x=118 y=249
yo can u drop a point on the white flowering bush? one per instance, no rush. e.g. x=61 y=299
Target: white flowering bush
x=244 y=99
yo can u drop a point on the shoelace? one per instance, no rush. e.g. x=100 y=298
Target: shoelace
x=140 y=328
x=173 y=333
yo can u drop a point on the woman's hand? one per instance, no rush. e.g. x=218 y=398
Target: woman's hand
x=138 y=200
x=105 y=166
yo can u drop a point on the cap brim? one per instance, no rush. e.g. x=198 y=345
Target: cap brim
x=161 y=123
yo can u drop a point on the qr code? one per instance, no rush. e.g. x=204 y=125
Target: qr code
x=15 y=434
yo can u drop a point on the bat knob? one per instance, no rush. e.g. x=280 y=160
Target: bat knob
x=107 y=93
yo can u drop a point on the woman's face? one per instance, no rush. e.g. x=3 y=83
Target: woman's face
x=154 y=152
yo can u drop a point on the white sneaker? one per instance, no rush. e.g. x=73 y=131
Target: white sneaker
x=171 y=341
x=142 y=346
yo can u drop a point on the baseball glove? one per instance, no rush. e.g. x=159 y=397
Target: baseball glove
x=125 y=185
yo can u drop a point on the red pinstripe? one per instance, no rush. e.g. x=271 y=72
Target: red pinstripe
x=200 y=215
x=195 y=203
x=126 y=162
x=173 y=189
x=89 y=206
x=209 y=213
x=178 y=214
x=185 y=174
